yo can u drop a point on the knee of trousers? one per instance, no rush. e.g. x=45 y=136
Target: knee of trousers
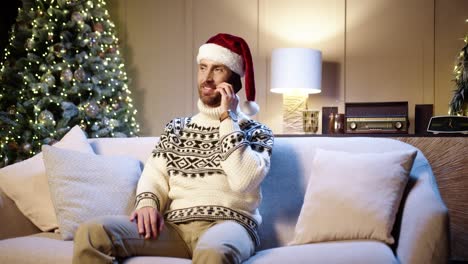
x=93 y=234
x=216 y=254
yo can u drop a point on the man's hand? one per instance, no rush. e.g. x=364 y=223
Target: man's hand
x=150 y=222
x=229 y=99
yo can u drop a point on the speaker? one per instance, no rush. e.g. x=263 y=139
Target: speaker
x=422 y=116
x=326 y=111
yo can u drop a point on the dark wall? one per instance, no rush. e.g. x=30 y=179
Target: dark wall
x=8 y=12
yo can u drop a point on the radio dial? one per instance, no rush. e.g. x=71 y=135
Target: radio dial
x=353 y=125
x=398 y=125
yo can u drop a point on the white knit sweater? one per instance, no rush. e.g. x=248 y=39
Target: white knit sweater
x=204 y=169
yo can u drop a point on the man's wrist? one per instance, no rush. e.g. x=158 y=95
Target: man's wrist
x=228 y=114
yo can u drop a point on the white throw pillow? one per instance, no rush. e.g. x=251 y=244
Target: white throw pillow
x=353 y=196
x=26 y=184
x=85 y=186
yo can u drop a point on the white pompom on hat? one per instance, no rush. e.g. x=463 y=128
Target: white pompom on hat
x=233 y=52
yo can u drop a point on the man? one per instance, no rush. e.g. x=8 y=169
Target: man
x=199 y=193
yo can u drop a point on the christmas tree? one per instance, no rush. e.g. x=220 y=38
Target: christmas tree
x=458 y=104
x=62 y=68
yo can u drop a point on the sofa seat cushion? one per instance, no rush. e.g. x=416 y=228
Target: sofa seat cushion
x=49 y=248
x=42 y=248
x=340 y=252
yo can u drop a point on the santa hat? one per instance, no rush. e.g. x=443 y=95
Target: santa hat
x=233 y=52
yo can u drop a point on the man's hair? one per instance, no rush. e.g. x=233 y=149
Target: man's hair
x=235 y=81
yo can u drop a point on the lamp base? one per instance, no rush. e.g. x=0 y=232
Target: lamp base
x=293 y=107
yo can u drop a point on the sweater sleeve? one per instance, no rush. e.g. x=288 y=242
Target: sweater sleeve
x=153 y=186
x=245 y=154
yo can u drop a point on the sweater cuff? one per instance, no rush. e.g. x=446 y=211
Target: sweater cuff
x=147 y=199
x=146 y=203
x=227 y=126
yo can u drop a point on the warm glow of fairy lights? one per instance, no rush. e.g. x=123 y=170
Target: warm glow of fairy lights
x=51 y=74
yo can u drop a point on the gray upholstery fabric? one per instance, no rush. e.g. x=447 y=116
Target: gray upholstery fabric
x=342 y=252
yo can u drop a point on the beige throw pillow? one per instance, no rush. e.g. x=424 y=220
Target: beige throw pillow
x=84 y=186
x=353 y=196
x=26 y=182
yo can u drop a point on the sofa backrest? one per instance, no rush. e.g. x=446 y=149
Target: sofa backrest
x=285 y=185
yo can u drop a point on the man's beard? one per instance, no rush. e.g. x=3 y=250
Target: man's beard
x=211 y=101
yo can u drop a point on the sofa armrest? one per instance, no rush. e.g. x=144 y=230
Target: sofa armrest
x=13 y=222
x=424 y=232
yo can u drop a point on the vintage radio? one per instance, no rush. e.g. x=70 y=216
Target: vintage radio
x=375 y=118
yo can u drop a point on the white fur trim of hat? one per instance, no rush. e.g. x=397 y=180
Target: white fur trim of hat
x=232 y=60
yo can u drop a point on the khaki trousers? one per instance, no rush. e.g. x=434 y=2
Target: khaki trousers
x=110 y=239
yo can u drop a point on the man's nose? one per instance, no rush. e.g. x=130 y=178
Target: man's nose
x=209 y=76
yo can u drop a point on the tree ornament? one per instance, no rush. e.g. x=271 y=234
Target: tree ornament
x=66 y=75
x=26 y=147
x=93 y=38
x=92 y=109
x=29 y=44
x=77 y=17
x=48 y=79
x=11 y=110
x=46 y=118
x=80 y=74
x=101 y=55
x=56 y=47
x=116 y=106
x=59 y=50
x=13 y=146
x=98 y=27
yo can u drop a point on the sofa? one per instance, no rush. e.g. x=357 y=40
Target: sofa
x=420 y=230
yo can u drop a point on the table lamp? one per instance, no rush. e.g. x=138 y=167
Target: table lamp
x=295 y=73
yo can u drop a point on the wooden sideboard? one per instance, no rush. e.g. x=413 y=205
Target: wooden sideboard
x=448 y=156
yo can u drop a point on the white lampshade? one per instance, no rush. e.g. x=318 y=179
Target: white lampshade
x=296 y=69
